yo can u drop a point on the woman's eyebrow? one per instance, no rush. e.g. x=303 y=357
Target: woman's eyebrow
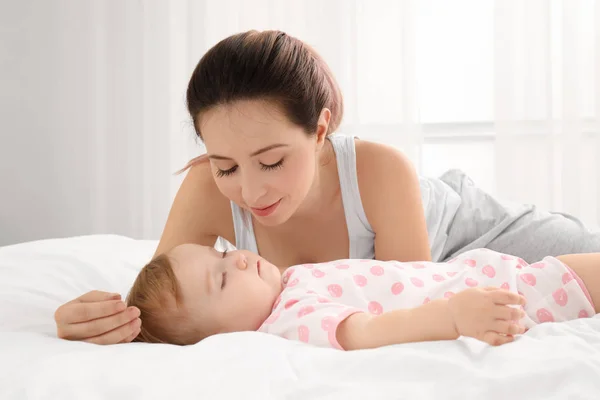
x=257 y=152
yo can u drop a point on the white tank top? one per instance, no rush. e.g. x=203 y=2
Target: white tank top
x=440 y=204
x=360 y=233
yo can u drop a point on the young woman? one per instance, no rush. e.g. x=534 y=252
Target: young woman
x=277 y=181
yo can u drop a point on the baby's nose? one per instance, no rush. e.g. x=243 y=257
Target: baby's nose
x=241 y=262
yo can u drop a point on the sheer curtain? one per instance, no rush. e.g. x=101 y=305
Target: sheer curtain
x=506 y=90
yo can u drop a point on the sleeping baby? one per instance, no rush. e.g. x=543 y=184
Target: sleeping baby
x=193 y=292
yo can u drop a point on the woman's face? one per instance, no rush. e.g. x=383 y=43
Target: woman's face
x=260 y=160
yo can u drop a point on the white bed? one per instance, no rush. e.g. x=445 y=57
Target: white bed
x=552 y=361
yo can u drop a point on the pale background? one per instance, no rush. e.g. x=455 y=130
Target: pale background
x=93 y=120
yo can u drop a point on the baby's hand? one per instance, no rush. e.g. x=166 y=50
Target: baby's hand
x=485 y=314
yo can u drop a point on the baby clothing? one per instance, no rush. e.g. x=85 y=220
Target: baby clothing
x=317 y=297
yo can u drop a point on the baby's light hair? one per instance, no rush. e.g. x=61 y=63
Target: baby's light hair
x=157 y=294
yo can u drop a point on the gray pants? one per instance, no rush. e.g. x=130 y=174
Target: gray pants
x=521 y=230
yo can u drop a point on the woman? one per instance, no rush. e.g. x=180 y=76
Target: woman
x=276 y=181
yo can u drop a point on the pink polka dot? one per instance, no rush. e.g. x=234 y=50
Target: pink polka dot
x=489 y=271
x=471 y=263
x=321 y=299
x=529 y=279
x=506 y=257
x=286 y=276
x=375 y=308
x=342 y=266
x=567 y=277
x=360 y=280
x=417 y=282
x=451 y=273
x=397 y=288
x=418 y=266
x=544 y=315
x=309 y=266
x=470 y=282
x=427 y=300
x=448 y=294
x=538 y=265
x=522 y=262
x=305 y=311
x=560 y=297
x=290 y=303
x=335 y=290
x=438 y=278
x=293 y=282
x=583 y=314
x=505 y=286
x=272 y=318
x=328 y=323
x=317 y=273
x=377 y=270
x=303 y=333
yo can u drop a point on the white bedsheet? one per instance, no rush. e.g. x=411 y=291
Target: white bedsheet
x=552 y=361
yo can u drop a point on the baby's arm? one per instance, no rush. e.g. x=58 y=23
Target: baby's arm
x=480 y=313
x=431 y=321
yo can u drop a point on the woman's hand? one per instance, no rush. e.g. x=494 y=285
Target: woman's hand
x=485 y=314
x=98 y=317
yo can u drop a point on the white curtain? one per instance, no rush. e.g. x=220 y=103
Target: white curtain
x=507 y=90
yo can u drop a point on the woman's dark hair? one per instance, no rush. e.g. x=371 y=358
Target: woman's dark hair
x=268 y=65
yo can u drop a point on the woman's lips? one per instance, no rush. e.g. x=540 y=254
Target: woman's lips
x=266 y=211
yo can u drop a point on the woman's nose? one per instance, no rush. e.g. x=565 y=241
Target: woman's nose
x=253 y=190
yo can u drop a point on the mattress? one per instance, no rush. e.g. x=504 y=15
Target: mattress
x=551 y=361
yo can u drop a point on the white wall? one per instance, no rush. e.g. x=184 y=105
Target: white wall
x=92 y=117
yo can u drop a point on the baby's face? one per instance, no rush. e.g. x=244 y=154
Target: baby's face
x=227 y=292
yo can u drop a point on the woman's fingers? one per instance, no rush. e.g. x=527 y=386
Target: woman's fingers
x=72 y=313
x=130 y=338
x=117 y=335
x=99 y=326
x=96 y=295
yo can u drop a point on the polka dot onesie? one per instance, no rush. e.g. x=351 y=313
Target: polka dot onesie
x=317 y=297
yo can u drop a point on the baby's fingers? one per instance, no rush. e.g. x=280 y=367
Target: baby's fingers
x=504 y=297
x=507 y=328
x=496 y=339
x=508 y=313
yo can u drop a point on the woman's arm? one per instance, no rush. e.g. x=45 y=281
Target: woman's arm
x=391 y=196
x=199 y=214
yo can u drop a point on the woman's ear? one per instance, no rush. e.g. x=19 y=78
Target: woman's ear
x=323 y=127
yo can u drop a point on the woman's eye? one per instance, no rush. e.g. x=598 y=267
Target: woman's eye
x=278 y=164
x=226 y=172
